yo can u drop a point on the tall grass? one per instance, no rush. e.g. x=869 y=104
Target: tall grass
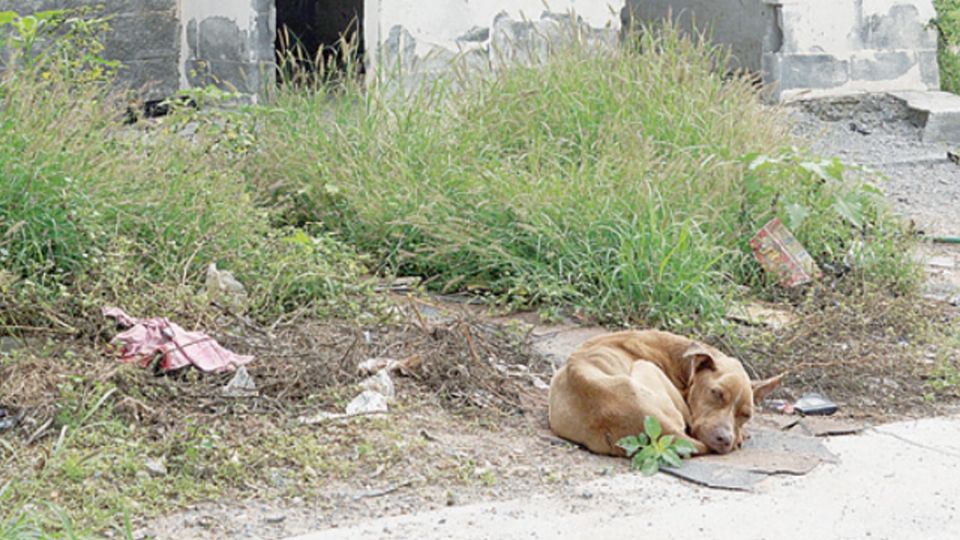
x=948 y=53
x=95 y=211
x=627 y=182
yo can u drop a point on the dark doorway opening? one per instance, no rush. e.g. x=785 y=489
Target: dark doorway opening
x=319 y=36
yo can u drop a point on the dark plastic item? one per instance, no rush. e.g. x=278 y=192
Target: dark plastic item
x=7 y=419
x=815 y=405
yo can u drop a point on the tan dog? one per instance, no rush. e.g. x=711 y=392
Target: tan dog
x=615 y=380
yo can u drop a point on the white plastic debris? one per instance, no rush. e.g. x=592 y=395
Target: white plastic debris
x=405 y=367
x=367 y=402
x=372 y=365
x=156 y=466
x=319 y=418
x=380 y=383
x=241 y=385
x=222 y=287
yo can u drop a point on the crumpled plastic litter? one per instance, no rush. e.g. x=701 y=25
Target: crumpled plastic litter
x=380 y=383
x=367 y=402
x=241 y=385
x=147 y=338
x=8 y=418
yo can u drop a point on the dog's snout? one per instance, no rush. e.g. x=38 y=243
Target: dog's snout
x=721 y=441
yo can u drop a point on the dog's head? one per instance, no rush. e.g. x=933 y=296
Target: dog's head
x=721 y=397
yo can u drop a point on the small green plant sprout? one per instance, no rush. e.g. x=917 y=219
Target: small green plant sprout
x=650 y=451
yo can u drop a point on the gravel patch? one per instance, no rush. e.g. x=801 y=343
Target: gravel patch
x=876 y=132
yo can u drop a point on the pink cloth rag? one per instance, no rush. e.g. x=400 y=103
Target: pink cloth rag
x=146 y=338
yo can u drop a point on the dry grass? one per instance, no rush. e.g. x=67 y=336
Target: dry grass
x=874 y=353
x=89 y=423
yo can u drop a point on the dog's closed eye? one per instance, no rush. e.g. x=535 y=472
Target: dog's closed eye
x=718 y=395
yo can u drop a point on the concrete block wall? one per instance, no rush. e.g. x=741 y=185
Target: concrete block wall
x=811 y=48
x=144 y=37
x=167 y=45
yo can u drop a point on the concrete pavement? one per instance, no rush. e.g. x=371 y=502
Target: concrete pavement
x=896 y=481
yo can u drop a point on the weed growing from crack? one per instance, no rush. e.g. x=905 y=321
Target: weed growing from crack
x=649 y=450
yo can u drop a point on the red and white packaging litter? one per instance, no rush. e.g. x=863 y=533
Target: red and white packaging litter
x=780 y=254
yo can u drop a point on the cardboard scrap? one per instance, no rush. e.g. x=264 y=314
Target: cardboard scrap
x=765 y=461
x=789 y=443
x=715 y=476
x=767 y=452
x=757 y=314
x=819 y=426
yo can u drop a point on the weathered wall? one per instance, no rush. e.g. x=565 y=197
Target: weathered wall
x=416 y=40
x=832 y=47
x=748 y=27
x=808 y=48
x=167 y=45
x=229 y=43
x=144 y=38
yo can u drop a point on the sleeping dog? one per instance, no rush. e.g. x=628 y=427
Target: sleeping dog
x=612 y=382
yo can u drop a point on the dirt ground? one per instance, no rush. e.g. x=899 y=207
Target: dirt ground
x=469 y=422
x=867 y=358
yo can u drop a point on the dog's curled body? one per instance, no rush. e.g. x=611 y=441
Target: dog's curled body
x=612 y=382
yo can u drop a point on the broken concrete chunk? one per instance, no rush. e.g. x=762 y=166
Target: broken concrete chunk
x=789 y=443
x=367 y=402
x=380 y=383
x=475 y=34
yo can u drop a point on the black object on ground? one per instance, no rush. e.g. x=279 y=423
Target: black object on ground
x=815 y=405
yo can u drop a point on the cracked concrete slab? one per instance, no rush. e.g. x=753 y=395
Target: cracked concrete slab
x=894 y=481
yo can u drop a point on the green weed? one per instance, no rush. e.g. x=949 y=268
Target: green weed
x=948 y=50
x=649 y=451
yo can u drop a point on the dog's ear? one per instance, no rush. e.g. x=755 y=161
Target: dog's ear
x=698 y=358
x=762 y=389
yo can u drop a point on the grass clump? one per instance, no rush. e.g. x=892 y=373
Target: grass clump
x=627 y=182
x=948 y=50
x=94 y=211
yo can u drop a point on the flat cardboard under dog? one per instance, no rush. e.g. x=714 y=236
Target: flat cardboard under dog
x=766 y=453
